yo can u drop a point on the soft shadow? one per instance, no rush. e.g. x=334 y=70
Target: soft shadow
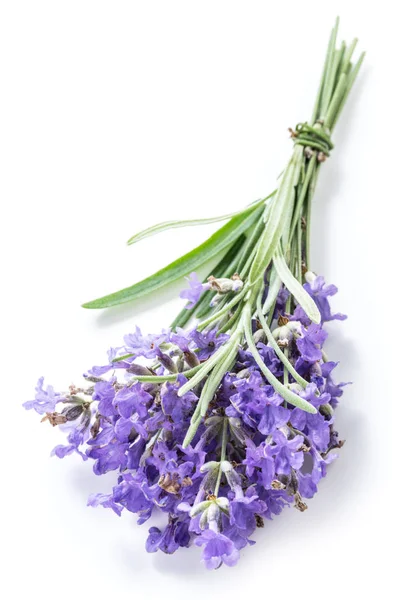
x=84 y=481
x=186 y=561
x=342 y=349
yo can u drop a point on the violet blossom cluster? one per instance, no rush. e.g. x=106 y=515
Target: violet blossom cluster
x=252 y=455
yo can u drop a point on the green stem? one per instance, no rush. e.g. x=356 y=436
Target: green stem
x=231 y=323
x=297 y=213
x=308 y=215
x=219 y=270
x=221 y=313
x=283 y=357
x=162 y=378
x=299 y=252
x=223 y=455
x=272 y=380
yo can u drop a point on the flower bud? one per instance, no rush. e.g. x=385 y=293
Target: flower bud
x=96 y=426
x=293 y=484
x=243 y=374
x=259 y=336
x=139 y=370
x=226 y=467
x=284 y=334
x=224 y=285
x=191 y=359
x=326 y=410
x=167 y=362
x=200 y=507
x=236 y=429
x=209 y=466
x=215 y=420
x=223 y=504
x=310 y=277
x=71 y=413
x=204 y=520
x=232 y=477
x=316 y=369
x=180 y=364
x=213 y=512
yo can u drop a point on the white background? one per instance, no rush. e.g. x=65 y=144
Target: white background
x=115 y=115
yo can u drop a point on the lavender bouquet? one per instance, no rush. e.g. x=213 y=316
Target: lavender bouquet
x=223 y=423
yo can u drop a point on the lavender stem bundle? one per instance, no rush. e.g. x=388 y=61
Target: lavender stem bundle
x=226 y=417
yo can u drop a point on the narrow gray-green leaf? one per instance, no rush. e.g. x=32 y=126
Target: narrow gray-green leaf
x=206 y=367
x=273 y=290
x=277 y=217
x=282 y=357
x=221 y=239
x=282 y=390
x=296 y=289
x=155 y=229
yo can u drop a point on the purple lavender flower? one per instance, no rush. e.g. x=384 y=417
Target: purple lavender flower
x=98 y=371
x=310 y=343
x=146 y=346
x=104 y=392
x=174 y=406
x=174 y=535
x=217 y=549
x=286 y=452
x=275 y=501
x=208 y=342
x=260 y=463
x=105 y=500
x=129 y=494
x=126 y=430
x=320 y=292
x=316 y=427
x=136 y=429
x=130 y=400
x=182 y=339
x=45 y=399
x=75 y=440
x=243 y=511
x=333 y=389
x=109 y=457
x=194 y=291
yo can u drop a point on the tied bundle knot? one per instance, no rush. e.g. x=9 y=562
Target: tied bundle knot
x=314 y=139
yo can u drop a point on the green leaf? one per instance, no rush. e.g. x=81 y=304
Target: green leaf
x=296 y=289
x=272 y=341
x=282 y=390
x=273 y=290
x=221 y=239
x=277 y=217
x=155 y=229
x=162 y=378
x=217 y=270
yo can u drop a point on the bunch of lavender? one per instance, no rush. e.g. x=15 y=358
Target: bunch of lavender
x=222 y=424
